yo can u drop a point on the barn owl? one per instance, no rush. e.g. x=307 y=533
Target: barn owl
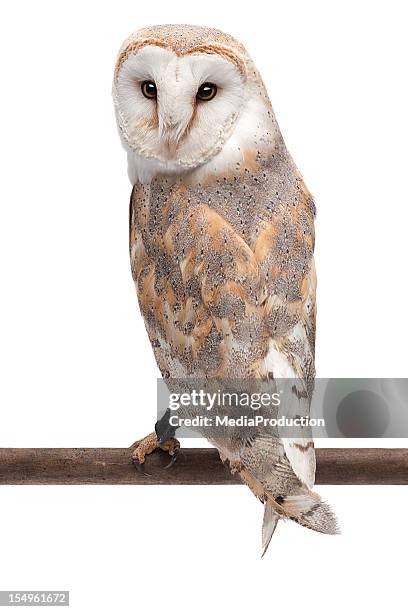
x=221 y=243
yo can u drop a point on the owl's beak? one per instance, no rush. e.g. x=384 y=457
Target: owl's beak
x=171 y=134
x=172 y=139
x=173 y=124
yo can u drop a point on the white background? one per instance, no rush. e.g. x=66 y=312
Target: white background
x=76 y=368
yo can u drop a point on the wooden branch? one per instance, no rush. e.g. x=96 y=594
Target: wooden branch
x=79 y=466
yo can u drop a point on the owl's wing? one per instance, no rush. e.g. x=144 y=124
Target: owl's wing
x=281 y=471
x=289 y=312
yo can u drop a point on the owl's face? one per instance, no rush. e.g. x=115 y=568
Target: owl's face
x=177 y=109
x=188 y=99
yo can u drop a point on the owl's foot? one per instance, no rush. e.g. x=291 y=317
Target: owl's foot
x=150 y=443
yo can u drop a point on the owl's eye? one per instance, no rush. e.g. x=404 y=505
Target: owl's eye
x=206 y=92
x=149 y=90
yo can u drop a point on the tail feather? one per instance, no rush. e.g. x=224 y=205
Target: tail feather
x=304 y=507
x=311 y=511
x=270 y=520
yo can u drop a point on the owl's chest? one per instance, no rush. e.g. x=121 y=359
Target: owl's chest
x=218 y=271
x=218 y=232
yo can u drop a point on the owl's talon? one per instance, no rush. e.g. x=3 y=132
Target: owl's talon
x=174 y=457
x=149 y=444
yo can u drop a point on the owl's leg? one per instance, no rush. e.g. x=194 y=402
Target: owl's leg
x=150 y=443
x=234 y=465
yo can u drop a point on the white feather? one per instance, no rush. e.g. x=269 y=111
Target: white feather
x=300 y=455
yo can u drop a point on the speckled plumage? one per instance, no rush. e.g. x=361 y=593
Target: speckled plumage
x=222 y=258
x=232 y=256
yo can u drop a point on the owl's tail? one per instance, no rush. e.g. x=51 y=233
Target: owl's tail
x=307 y=509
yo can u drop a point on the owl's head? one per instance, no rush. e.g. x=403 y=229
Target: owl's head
x=179 y=92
